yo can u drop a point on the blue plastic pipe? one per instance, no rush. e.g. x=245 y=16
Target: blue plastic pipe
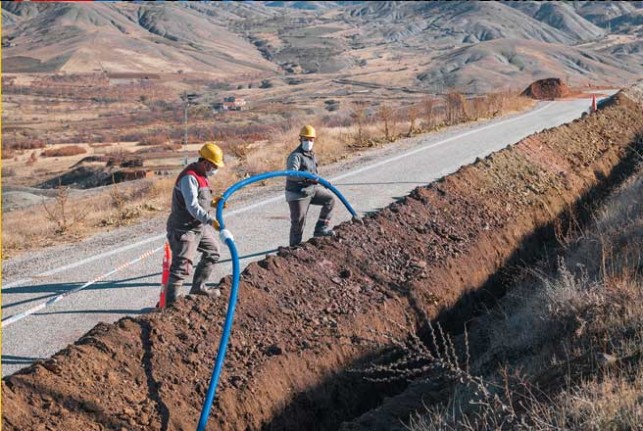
x=226 y=237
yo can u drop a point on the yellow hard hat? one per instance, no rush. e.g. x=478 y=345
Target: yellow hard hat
x=212 y=153
x=308 y=131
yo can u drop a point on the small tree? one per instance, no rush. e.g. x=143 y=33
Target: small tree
x=412 y=115
x=32 y=159
x=358 y=114
x=61 y=213
x=428 y=104
x=389 y=118
x=455 y=111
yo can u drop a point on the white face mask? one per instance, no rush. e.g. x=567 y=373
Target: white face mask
x=307 y=145
x=212 y=172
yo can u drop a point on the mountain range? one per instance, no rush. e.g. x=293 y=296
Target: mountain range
x=473 y=45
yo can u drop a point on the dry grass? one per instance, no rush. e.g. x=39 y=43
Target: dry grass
x=565 y=349
x=387 y=124
x=67 y=219
x=69 y=150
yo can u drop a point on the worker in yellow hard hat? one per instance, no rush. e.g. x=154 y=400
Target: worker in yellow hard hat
x=190 y=227
x=301 y=192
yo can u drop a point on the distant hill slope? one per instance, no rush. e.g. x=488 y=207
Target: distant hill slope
x=473 y=45
x=510 y=63
x=120 y=37
x=561 y=16
x=456 y=22
x=600 y=13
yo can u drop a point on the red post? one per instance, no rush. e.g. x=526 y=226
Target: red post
x=594 y=107
x=167 y=260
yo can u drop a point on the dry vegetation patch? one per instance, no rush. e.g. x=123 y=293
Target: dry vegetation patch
x=69 y=150
x=563 y=349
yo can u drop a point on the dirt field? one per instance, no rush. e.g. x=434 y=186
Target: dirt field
x=305 y=317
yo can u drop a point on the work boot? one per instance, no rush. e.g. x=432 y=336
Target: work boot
x=203 y=291
x=172 y=291
x=324 y=231
x=201 y=276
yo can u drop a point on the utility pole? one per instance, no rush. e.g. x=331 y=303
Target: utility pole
x=188 y=99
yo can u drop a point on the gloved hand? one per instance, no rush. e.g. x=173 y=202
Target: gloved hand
x=310 y=182
x=215 y=201
x=216 y=225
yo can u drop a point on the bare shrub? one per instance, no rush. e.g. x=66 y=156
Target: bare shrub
x=62 y=213
x=124 y=204
x=8 y=172
x=574 y=332
x=69 y=150
x=455 y=108
x=499 y=103
x=239 y=148
x=477 y=108
x=428 y=105
x=389 y=118
x=262 y=159
x=358 y=114
x=33 y=157
x=412 y=359
x=333 y=144
x=412 y=114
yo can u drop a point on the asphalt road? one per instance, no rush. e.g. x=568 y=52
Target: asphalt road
x=258 y=219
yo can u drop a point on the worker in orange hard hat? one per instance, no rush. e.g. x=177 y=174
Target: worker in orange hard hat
x=302 y=192
x=190 y=227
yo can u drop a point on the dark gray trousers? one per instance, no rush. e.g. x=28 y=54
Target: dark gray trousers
x=299 y=210
x=184 y=246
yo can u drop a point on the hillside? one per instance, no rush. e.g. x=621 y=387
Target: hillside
x=454 y=23
x=274 y=38
x=503 y=63
x=111 y=37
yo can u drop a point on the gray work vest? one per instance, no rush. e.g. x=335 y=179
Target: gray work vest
x=298 y=188
x=180 y=218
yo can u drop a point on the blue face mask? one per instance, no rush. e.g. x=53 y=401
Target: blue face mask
x=307 y=145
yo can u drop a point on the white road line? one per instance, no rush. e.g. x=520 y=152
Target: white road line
x=82 y=262
x=273 y=199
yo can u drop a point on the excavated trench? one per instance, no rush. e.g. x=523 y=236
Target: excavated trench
x=309 y=315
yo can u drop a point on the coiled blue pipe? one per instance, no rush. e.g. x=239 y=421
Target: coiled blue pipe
x=226 y=236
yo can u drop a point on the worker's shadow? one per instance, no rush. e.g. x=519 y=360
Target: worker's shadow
x=19 y=360
x=10 y=297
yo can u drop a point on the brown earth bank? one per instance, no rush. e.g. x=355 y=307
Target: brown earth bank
x=545 y=89
x=311 y=314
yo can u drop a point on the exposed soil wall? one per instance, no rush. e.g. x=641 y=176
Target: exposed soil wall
x=303 y=316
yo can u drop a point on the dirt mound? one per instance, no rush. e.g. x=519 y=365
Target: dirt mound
x=307 y=315
x=545 y=89
x=87 y=177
